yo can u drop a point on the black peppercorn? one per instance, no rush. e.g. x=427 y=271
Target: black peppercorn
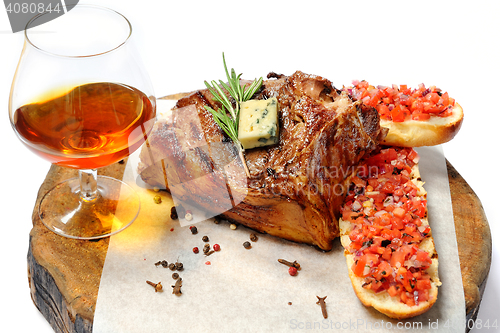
x=179 y=266
x=173 y=213
x=164 y=263
x=253 y=237
x=172 y=267
x=175 y=276
x=194 y=230
x=204 y=238
x=247 y=245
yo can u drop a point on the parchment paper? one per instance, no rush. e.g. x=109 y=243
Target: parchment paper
x=247 y=290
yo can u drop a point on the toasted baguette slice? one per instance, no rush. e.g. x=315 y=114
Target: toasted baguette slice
x=393 y=306
x=414 y=117
x=418 y=133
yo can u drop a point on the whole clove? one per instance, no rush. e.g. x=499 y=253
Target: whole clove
x=321 y=302
x=289 y=264
x=177 y=287
x=157 y=286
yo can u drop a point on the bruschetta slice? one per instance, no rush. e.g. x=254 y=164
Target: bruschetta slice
x=387 y=240
x=415 y=117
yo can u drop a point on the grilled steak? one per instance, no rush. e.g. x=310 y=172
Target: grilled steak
x=296 y=187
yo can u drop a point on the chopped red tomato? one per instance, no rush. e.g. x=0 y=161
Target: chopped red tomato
x=402 y=103
x=386 y=212
x=359 y=265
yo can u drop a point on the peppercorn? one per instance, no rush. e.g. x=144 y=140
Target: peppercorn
x=164 y=263
x=157 y=199
x=206 y=248
x=292 y=271
x=194 y=230
x=172 y=267
x=179 y=266
x=196 y=250
x=253 y=237
x=216 y=247
x=205 y=239
x=173 y=213
x=247 y=245
x=175 y=276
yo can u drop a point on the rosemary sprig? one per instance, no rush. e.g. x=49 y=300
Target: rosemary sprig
x=227 y=117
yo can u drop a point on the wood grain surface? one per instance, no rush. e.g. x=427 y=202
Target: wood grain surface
x=64 y=274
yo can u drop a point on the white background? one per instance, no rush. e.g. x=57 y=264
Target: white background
x=451 y=44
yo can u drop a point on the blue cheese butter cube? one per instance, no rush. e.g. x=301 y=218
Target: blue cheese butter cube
x=258 y=125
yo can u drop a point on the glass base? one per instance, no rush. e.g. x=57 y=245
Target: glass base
x=66 y=213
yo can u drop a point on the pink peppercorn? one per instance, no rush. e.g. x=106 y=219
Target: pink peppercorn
x=216 y=247
x=196 y=250
x=292 y=271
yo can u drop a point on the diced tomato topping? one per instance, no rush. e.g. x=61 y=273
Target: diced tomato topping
x=386 y=211
x=359 y=266
x=402 y=103
x=393 y=291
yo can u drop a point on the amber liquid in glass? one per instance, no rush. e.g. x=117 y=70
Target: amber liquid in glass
x=91 y=126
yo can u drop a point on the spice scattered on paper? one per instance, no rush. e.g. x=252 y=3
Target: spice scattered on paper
x=157 y=286
x=173 y=213
x=321 y=302
x=290 y=264
x=157 y=199
x=177 y=287
x=193 y=229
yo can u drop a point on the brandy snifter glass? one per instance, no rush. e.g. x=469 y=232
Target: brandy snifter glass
x=82 y=99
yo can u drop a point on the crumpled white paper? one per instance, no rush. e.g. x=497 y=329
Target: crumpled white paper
x=247 y=290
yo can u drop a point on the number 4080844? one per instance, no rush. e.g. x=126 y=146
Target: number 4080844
x=33 y=8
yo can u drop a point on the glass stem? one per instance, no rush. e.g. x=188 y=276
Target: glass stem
x=88 y=184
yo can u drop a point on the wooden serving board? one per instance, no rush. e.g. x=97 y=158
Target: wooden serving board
x=64 y=274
